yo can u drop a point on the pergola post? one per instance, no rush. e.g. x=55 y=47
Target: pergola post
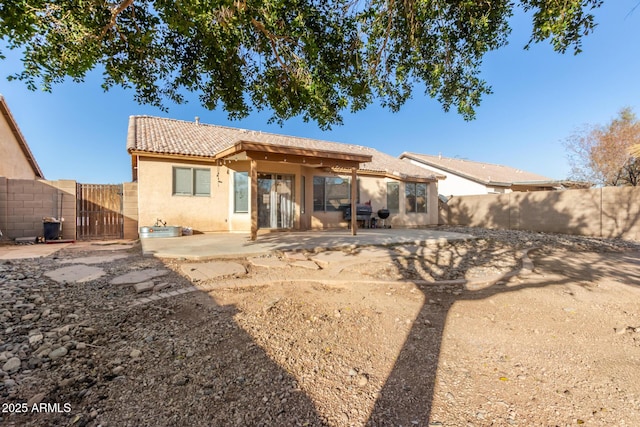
x=354 y=212
x=253 y=179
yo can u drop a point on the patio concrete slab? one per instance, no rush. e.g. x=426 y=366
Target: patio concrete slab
x=310 y=265
x=294 y=256
x=30 y=251
x=268 y=262
x=213 y=270
x=356 y=256
x=238 y=245
x=374 y=252
x=98 y=259
x=418 y=251
x=106 y=245
x=138 y=276
x=75 y=273
x=324 y=259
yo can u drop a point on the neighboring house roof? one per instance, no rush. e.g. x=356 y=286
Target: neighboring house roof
x=483 y=173
x=22 y=142
x=161 y=136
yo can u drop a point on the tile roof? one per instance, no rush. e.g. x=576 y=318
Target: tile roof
x=4 y=110
x=177 y=137
x=485 y=173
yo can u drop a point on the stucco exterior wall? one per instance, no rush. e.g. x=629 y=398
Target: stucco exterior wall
x=156 y=199
x=13 y=162
x=216 y=212
x=374 y=189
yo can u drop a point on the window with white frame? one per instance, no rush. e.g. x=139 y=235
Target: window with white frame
x=191 y=181
x=241 y=192
x=393 y=197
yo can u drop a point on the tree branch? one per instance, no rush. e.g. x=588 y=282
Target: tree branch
x=115 y=11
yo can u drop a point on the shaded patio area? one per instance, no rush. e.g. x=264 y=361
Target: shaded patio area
x=232 y=245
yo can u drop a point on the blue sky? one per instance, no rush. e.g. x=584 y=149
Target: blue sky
x=540 y=98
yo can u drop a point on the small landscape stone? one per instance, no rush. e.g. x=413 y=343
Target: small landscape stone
x=135 y=353
x=35 y=339
x=363 y=380
x=161 y=286
x=28 y=317
x=58 y=353
x=180 y=381
x=36 y=399
x=12 y=365
x=143 y=287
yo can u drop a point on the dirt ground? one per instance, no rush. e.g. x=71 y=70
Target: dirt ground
x=442 y=335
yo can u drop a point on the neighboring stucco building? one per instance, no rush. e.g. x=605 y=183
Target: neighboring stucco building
x=464 y=177
x=215 y=178
x=16 y=159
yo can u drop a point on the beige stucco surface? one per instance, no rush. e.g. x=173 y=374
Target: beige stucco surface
x=216 y=212
x=13 y=162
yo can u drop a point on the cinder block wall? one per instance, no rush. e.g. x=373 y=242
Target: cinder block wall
x=4 y=207
x=130 y=210
x=24 y=203
x=603 y=212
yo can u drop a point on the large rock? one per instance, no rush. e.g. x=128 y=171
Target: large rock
x=75 y=273
x=143 y=287
x=97 y=259
x=138 y=276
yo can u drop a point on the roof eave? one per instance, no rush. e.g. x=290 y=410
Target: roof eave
x=177 y=156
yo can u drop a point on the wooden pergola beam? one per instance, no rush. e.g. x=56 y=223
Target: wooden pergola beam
x=253 y=179
x=354 y=212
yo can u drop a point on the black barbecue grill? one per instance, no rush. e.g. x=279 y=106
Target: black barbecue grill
x=383 y=214
x=363 y=213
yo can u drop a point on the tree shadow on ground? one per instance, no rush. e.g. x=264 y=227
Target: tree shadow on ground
x=407 y=396
x=196 y=367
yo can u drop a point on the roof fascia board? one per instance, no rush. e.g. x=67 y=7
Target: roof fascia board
x=296 y=151
x=142 y=153
x=380 y=174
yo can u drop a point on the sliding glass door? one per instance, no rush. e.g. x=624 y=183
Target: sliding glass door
x=275 y=200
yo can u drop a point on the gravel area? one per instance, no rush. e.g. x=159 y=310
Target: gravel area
x=441 y=335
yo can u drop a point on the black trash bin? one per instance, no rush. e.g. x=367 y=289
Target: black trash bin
x=52 y=230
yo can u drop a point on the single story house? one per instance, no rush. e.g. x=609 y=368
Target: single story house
x=215 y=178
x=465 y=177
x=17 y=160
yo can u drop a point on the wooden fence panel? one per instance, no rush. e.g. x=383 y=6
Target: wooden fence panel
x=99 y=211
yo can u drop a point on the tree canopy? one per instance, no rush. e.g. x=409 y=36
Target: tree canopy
x=606 y=154
x=309 y=58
